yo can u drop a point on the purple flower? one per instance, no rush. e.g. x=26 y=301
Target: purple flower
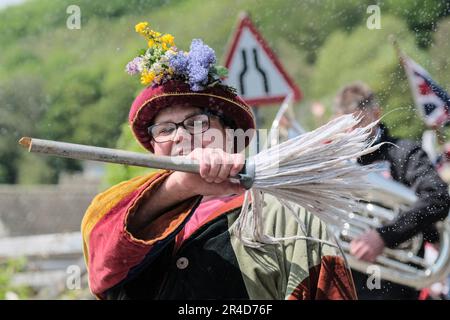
x=202 y=54
x=196 y=87
x=200 y=59
x=179 y=62
x=198 y=76
x=134 y=66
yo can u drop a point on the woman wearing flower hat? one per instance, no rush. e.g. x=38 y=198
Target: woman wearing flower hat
x=168 y=235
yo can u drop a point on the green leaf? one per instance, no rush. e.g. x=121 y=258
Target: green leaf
x=221 y=71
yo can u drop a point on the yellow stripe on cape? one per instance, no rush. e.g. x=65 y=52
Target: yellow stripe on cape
x=105 y=201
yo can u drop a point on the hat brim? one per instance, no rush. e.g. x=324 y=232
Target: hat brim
x=147 y=105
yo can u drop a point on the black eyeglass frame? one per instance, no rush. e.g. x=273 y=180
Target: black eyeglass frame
x=182 y=124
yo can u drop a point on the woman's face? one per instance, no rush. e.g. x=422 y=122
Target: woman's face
x=182 y=143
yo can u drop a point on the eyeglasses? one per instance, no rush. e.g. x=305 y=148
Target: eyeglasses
x=196 y=124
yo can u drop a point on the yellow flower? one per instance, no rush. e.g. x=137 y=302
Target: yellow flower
x=140 y=27
x=151 y=43
x=168 y=39
x=147 y=77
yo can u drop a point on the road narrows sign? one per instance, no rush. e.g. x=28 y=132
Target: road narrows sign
x=254 y=70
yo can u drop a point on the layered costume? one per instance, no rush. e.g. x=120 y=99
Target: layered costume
x=190 y=253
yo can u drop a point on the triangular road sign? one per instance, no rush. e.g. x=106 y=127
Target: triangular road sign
x=254 y=70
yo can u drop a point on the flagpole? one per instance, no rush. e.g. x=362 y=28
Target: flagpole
x=437 y=130
x=402 y=59
x=398 y=51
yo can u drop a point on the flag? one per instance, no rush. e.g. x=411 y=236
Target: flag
x=432 y=102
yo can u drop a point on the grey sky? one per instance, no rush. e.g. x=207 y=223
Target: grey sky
x=5 y=3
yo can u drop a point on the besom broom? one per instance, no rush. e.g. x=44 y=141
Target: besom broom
x=314 y=170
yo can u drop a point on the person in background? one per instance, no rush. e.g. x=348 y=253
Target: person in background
x=405 y=162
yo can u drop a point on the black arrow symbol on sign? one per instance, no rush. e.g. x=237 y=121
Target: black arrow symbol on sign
x=245 y=69
x=243 y=72
x=261 y=71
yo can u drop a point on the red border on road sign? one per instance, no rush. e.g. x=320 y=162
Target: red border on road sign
x=246 y=22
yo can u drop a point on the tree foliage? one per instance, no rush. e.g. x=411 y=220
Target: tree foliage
x=70 y=85
x=368 y=55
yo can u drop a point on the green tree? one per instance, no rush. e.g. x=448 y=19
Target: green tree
x=116 y=173
x=368 y=55
x=21 y=110
x=87 y=94
x=420 y=15
x=439 y=54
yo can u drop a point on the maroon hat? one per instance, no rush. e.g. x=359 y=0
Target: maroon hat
x=217 y=98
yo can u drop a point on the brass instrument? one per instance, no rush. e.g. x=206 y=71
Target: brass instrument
x=401 y=265
x=382 y=203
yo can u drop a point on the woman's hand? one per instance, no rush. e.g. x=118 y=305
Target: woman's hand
x=216 y=167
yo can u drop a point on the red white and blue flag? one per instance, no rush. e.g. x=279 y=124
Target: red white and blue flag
x=432 y=102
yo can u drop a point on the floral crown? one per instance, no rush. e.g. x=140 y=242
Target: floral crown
x=162 y=61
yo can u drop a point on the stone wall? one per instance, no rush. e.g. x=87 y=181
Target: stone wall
x=43 y=209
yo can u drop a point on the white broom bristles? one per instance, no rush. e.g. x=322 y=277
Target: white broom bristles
x=316 y=170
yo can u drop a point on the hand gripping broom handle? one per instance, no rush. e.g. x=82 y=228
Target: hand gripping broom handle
x=84 y=152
